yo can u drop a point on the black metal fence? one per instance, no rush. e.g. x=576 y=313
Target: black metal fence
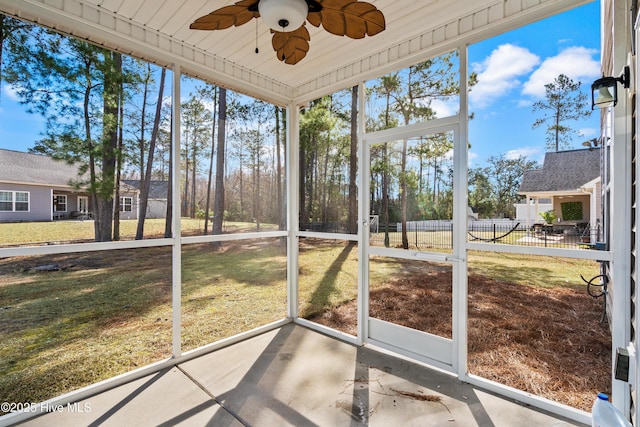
x=438 y=235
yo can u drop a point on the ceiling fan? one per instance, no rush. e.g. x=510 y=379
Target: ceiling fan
x=286 y=18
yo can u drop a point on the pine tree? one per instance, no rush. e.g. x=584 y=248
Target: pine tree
x=563 y=103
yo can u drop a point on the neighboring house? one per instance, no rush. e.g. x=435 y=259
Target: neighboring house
x=37 y=188
x=34 y=187
x=130 y=200
x=569 y=184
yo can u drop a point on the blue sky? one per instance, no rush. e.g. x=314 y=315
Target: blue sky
x=512 y=69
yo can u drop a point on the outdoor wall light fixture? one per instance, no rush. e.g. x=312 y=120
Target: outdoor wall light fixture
x=604 y=91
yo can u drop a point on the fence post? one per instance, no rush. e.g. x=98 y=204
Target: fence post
x=451 y=228
x=494 y=233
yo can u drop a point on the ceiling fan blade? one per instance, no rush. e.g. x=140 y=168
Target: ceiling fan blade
x=291 y=47
x=351 y=18
x=235 y=15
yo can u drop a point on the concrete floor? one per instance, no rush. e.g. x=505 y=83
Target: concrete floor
x=298 y=377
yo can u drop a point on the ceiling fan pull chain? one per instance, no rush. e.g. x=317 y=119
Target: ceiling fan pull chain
x=257 y=36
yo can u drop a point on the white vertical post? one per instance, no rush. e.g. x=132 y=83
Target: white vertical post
x=293 y=204
x=363 y=222
x=460 y=186
x=176 y=259
x=620 y=242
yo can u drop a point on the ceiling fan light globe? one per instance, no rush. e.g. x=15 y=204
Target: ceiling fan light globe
x=283 y=15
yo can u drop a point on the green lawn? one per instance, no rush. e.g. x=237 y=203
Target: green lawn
x=65 y=231
x=108 y=312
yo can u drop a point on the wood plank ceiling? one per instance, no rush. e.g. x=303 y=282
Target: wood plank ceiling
x=158 y=30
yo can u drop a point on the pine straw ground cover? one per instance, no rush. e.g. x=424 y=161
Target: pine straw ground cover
x=546 y=341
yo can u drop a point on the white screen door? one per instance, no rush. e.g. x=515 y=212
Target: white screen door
x=410 y=264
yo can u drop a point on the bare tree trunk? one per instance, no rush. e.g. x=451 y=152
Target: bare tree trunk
x=194 y=162
x=143 y=122
x=279 y=203
x=385 y=195
x=328 y=184
x=353 y=164
x=241 y=182
x=104 y=219
x=302 y=172
x=218 y=204
x=116 y=208
x=213 y=132
x=185 y=193
x=311 y=177
x=256 y=190
x=169 y=213
x=146 y=182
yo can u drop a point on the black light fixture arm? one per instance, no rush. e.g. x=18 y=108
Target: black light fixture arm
x=625 y=77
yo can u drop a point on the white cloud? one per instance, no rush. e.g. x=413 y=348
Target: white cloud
x=498 y=73
x=587 y=132
x=575 y=62
x=524 y=103
x=445 y=108
x=528 y=152
x=10 y=93
x=471 y=158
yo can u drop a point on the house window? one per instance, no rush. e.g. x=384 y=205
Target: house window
x=126 y=204
x=14 y=201
x=6 y=201
x=22 y=201
x=59 y=203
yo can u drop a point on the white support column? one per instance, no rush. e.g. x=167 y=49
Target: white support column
x=363 y=222
x=620 y=204
x=293 y=204
x=176 y=250
x=460 y=218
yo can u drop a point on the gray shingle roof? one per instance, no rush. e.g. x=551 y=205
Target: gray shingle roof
x=563 y=171
x=157 y=189
x=27 y=168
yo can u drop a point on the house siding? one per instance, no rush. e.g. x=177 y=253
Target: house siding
x=40 y=204
x=133 y=214
x=157 y=208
